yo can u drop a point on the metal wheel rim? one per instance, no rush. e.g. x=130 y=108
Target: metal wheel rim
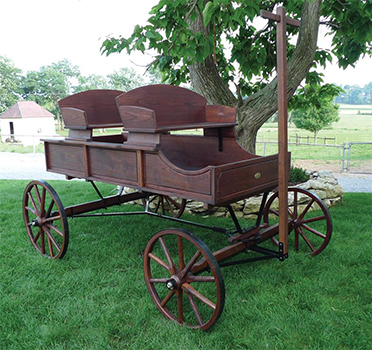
x=47 y=229
x=161 y=303
x=302 y=230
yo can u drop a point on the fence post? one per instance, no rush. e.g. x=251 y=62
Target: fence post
x=264 y=153
x=348 y=158
x=343 y=156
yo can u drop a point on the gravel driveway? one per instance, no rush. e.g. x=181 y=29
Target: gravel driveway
x=32 y=167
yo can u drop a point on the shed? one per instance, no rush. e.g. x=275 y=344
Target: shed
x=26 y=122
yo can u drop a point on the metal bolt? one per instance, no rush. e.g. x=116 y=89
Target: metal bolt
x=170 y=285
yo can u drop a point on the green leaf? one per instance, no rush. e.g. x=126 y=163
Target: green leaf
x=208 y=12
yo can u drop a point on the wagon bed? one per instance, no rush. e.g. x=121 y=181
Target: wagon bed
x=211 y=168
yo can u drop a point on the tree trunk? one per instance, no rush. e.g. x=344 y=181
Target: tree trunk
x=254 y=111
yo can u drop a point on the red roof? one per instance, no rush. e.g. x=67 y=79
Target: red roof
x=26 y=109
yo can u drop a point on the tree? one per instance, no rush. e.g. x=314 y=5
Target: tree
x=125 y=79
x=216 y=45
x=10 y=78
x=315 y=119
x=91 y=82
x=50 y=84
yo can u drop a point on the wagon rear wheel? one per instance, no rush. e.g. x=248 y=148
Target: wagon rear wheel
x=165 y=205
x=45 y=219
x=309 y=219
x=195 y=300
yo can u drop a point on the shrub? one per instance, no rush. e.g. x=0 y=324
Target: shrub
x=298 y=175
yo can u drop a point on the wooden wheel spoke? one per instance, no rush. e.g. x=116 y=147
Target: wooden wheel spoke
x=160 y=262
x=53 y=218
x=162 y=205
x=290 y=213
x=37 y=235
x=190 y=264
x=42 y=241
x=159 y=280
x=170 y=206
x=50 y=246
x=167 y=298
x=175 y=203
x=306 y=240
x=315 y=232
x=180 y=305
x=33 y=203
x=181 y=259
x=295 y=209
x=272 y=211
x=55 y=229
x=167 y=255
x=188 y=288
x=318 y=218
x=52 y=239
x=192 y=278
x=306 y=209
x=38 y=198
x=47 y=214
x=194 y=308
x=43 y=196
x=296 y=239
x=31 y=210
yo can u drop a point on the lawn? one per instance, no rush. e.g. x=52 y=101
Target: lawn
x=96 y=298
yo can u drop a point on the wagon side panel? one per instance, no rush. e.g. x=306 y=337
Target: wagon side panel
x=65 y=159
x=160 y=175
x=117 y=166
x=244 y=179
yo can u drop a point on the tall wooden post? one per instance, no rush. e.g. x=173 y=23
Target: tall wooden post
x=281 y=42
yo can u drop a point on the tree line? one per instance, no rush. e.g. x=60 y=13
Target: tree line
x=355 y=95
x=53 y=82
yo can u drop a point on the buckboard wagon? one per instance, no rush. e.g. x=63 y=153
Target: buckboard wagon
x=211 y=168
x=182 y=275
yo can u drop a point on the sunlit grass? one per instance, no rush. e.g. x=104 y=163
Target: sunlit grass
x=96 y=298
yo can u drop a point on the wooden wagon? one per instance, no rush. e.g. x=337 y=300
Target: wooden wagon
x=182 y=275
x=160 y=166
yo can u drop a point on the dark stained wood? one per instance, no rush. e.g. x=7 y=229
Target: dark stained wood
x=220 y=114
x=136 y=118
x=172 y=105
x=281 y=38
x=74 y=118
x=99 y=107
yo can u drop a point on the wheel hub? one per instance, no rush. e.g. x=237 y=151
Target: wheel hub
x=171 y=284
x=38 y=222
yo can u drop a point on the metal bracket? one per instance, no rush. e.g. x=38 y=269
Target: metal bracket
x=282 y=256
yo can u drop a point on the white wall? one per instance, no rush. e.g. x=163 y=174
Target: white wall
x=28 y=130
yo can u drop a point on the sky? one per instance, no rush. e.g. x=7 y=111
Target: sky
x=34 y=33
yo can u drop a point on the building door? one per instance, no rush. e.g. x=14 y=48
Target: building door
x=11 y=125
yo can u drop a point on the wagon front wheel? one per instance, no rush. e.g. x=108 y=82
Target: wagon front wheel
x=308 y=217
x=45 y=219
x=182 y=290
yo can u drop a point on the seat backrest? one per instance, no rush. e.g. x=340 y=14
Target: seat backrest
x=91 y=109
x=165 y=105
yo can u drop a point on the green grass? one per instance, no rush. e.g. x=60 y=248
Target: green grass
x=96 y=298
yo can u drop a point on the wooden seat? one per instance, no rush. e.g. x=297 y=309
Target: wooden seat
x=163 y=108
x=87 y=110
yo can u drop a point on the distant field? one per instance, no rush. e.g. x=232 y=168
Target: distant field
x=352 y=127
